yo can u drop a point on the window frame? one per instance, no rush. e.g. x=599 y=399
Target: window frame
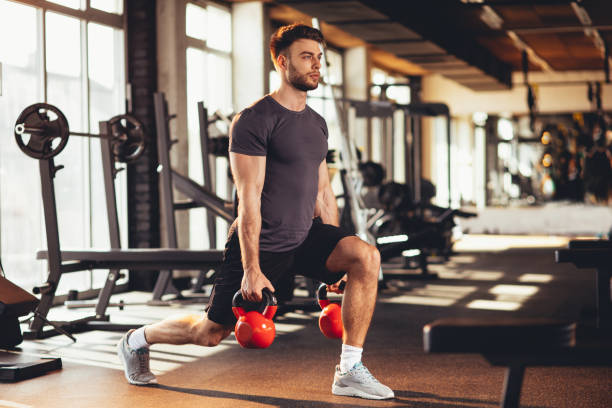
x=84 y=17
x=202 y=45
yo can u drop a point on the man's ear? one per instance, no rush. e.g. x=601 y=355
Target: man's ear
x=281 y=61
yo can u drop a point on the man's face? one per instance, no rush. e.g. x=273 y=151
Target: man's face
x=303 y=64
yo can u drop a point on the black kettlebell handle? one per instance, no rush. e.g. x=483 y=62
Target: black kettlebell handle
x=268 y=299
x=322 y=290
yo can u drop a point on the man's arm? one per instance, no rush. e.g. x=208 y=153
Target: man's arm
x=249 y=174
x=326 y=206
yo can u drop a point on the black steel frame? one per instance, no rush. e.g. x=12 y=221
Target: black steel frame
x=596 y=254
x=115 y=259
x=199 y=196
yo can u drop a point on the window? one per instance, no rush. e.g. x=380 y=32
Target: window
x=83 y=75
x=75 y=4
x=209 y=79
x=110 y=6
x=21 y=223
x=195 y=24
x=388 y=137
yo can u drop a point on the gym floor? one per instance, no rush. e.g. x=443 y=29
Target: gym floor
x=496 y=279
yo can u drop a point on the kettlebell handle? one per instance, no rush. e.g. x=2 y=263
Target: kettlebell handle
x=267 y=307
x=322 y=294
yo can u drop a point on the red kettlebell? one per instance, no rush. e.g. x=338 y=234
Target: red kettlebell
x=330 y=320
x=255 y=329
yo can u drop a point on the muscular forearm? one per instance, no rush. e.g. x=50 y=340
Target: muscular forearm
x=249 y=228
x=327 y=208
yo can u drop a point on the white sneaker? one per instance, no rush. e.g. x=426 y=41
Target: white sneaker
x=359 y=382
x=135 y=363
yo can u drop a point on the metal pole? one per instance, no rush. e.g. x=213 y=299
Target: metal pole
x=349 y=162
x=448 y=155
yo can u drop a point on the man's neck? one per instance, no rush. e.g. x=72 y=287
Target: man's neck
x=289 y=97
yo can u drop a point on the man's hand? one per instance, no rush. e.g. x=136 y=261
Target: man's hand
x=336 y=287
x=252 y=284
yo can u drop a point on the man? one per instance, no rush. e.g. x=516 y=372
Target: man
x=287 y=223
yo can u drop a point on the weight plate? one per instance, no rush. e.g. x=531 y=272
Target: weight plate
x=41 y=131
x=128 y=141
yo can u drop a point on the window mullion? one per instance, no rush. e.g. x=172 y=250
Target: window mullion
x=87 y=145
x=42 y=23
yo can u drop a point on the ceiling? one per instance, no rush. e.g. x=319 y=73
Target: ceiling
x=477 y=43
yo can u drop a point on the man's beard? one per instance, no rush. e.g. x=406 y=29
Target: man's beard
x=298 y=81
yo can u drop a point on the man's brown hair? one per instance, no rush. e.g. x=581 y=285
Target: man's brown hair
x=282 y=38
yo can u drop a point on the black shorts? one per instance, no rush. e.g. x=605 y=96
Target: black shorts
x=307 y=260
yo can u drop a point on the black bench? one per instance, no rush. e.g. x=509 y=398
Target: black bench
x=144 y=259
x=594 y=254
x=66 y=261
x=515 y=344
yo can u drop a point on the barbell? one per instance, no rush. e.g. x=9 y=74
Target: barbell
x=42 y=132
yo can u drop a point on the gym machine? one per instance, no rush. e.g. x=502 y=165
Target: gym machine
x=42 y=132
x=406 y=223
x=199 y=196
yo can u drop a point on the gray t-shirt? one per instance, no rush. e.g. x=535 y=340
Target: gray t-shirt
x=295 y=144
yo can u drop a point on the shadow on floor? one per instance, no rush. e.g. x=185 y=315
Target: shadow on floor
x=403 y=399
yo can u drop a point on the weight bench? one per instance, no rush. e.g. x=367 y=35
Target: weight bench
x=113 y=260
x=515 y=344
x=594 y=254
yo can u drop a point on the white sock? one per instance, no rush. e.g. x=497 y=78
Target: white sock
x=137 y=340
x=350 y=356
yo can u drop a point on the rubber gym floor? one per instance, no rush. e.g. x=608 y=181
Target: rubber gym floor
x=297 y=370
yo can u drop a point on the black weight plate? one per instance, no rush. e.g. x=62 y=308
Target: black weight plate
x=53 y=135
x=128 y=139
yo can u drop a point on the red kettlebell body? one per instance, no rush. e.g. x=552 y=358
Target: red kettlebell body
x=330 y=319
x=254 y=329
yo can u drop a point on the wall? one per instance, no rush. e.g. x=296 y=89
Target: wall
x=557 y=97
x=556 y=92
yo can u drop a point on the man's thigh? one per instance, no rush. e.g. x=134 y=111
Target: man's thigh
x=312 y=255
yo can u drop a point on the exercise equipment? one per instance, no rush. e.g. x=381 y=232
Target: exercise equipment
x=594 y=254
x=42 y=132
x=352 y=180
x=113 y=259
x=517 y=344
x=255 y=328
x=372 y=173
x=14 y=302
x=14 y=365
x=330 y=319
x=17 y=366
x=198 y=196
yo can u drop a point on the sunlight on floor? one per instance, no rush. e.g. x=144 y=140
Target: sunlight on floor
x=471 y=275
x=432 y=295
x=486 y=243
x=535 y=278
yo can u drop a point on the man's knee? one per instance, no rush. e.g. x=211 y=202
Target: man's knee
x=209 y=334
x=368 y=259
x=371 y=260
